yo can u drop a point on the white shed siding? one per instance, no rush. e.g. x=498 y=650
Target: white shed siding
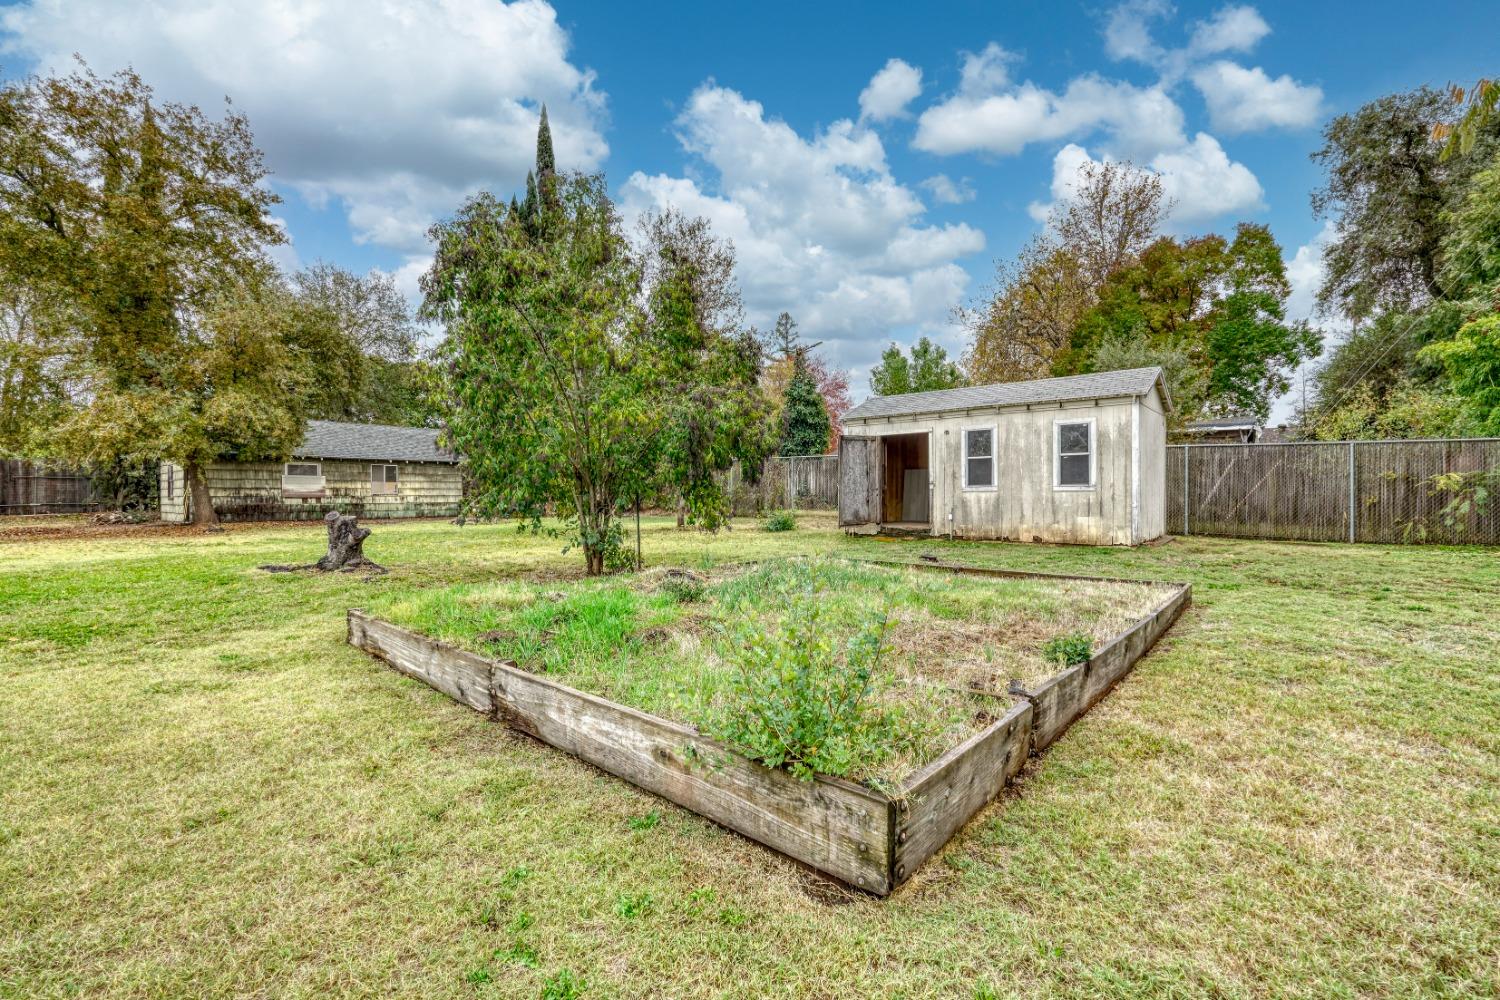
x=1025 y=505
x=1153 y=468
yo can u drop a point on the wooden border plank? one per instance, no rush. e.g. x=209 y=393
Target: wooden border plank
x=834 y=825
x=940 y=798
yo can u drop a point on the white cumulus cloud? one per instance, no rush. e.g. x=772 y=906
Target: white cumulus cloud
x=1198 y=179
x=822 y=228
x=393 y=111
x=1247 y=100
x=947 y=191
x=889 y=91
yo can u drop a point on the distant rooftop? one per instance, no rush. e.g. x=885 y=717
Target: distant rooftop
x=335 y=439
x=1239 y=422
x=1095 y=385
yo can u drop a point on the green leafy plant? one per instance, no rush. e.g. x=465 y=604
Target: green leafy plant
x=563 y=986
x=630 y=906
x=800 y=702
x=781 y=520
x=1068 y=650
x=683 y=589
x=646 y=822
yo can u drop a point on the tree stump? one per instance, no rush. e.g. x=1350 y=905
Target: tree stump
x=346 y=541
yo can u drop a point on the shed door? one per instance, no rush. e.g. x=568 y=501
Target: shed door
x=859 y=480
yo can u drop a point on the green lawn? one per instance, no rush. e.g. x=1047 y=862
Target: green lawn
x=205 y=792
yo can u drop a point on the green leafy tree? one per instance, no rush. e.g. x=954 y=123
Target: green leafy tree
x=805 y=428
x=928 y=368
x=1022 y=327
x=1222 y=303
x=545 y=384
x=149 y=220
x=1387 y=190
x=358 y=335
x=703 y=365
x=1472 y=362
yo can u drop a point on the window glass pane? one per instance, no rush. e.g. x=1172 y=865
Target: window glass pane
x=390 y=473
x=1073 y=438
x=1073 y=470
x=979 y=443
x=981 y=472
x=377 y=473
x=302 y=470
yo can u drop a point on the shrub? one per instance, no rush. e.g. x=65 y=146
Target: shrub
x=1070 y=649
x=781 y=520
x=683 y=589
x=799 y=702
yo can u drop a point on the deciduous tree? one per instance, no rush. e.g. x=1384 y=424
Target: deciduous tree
x=149 y=220
x=927 y=368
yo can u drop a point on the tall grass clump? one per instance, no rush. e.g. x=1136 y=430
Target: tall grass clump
x=781 y=520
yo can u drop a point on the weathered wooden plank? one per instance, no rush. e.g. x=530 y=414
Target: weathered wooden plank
x=1061 y=699
x=939 y=799
x=836 y=826
x=859 y=480
x=461 y=675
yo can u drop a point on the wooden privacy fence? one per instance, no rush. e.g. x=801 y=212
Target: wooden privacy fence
x=1438 y=490
x=806 y=482
x=28 y=487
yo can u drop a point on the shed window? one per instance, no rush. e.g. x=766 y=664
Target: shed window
x=171 y=478
x=979 y=458
x=383 y=479
x=305 y=470
x=1075 y=454
x=302 y=480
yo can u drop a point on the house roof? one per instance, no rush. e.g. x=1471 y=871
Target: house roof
x=372 y=442
x=1243 y=422
x=1096 y=385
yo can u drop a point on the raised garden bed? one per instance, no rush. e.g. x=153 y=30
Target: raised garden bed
x=580 y=670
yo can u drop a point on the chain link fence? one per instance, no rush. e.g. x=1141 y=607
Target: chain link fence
x=1440 y=490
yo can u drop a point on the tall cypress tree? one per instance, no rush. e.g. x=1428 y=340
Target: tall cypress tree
x=546 y=165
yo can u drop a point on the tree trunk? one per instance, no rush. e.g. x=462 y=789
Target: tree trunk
x=203 y=506
x=346 y=542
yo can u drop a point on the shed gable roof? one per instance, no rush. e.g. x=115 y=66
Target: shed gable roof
x=336 y=439
x=1095 y=385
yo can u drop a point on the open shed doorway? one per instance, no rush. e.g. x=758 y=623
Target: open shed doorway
x=905 y=493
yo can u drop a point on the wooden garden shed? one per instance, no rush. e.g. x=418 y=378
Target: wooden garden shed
x=1077 y=459
x=371 y=470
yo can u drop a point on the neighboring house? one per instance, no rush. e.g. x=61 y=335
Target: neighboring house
x=1076 y=459
x=372 y=470
x=1242 y=429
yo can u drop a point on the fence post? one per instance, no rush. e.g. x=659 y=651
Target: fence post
x=1352 y=507
x=1185 y=493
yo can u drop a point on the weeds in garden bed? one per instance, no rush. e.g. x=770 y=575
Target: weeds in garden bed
x=781 y=659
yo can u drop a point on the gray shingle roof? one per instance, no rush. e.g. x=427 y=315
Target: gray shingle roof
x=1235 y=423
x=1096 y=385
x=372 y=442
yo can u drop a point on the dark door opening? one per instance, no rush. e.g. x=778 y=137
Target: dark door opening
x=905 y=497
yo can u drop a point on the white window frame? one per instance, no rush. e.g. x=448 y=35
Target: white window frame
x=1057 y=426
x=384 y=481
x=302 y=484
x=994 y=430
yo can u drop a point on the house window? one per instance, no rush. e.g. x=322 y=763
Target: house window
x=383 y=479
x=171 y=478
x=1075 y=454
x=302 y=479
x=979 y=458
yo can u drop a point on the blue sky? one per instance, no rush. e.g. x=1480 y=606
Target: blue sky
x=868 y=197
